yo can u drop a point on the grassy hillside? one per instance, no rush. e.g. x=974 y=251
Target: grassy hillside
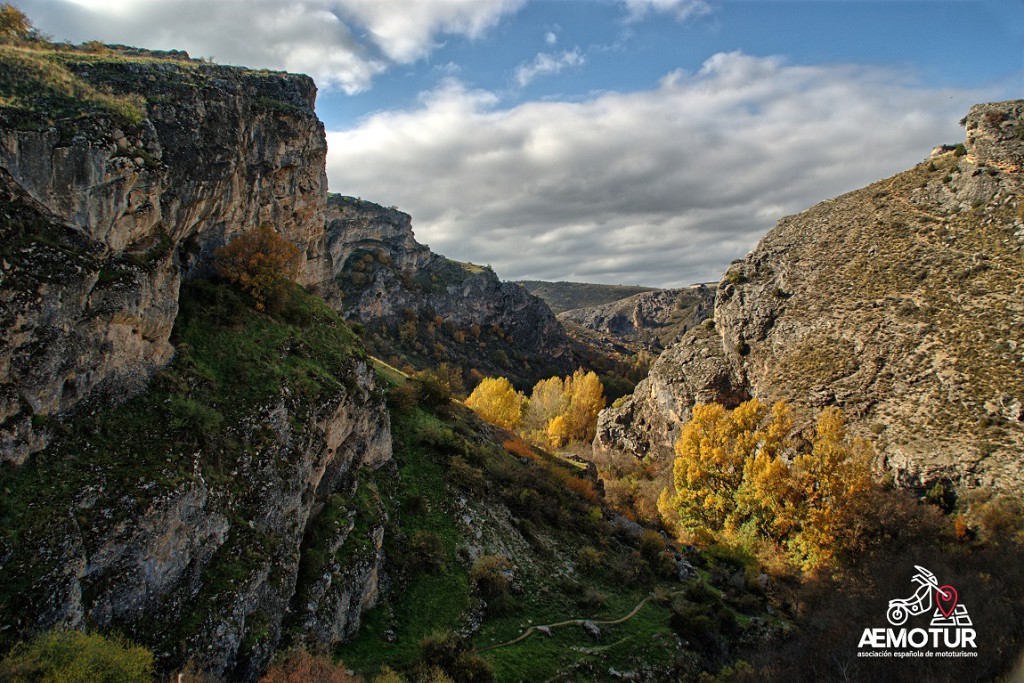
x=490 y=538
x=566 y=296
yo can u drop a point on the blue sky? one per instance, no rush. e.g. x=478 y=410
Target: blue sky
x=632 y=141
x=958 y=43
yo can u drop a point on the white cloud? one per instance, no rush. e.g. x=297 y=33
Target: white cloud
x=341 y=43
x=406 y=30
x=661 y=187
x=546 y=64
x=680 y=9
x=550 y=38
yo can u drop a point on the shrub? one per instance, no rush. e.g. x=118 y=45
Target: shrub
x=388 y=675
x=583 y=488
x=403 y=397
x=432 y=390
x=299 y=666
x=588 y=559
x=260 y=262
x=465 y=476
x=13 y=22
x=453 y=657
x=491 y=574
x=428 y=549
x=75 y=657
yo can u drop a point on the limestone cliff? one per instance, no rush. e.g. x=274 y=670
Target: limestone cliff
x=420 y=307
x=901 y=303
x=650 y=321
x=212 y=152
x=210 y=518
x=211 y=504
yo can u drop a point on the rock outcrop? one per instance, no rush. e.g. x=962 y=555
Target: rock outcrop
x=651 y=321
x=219 y=151
x=211 y=543
x=901 y=303
x=421 y=308
x=202 y=517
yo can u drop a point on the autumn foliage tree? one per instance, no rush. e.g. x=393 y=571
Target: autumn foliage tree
x=13 y=22
x=299 y=666
x=558 y=411
x=261 y=262
x=497 y=401
x=561 y=410
x=733 y=481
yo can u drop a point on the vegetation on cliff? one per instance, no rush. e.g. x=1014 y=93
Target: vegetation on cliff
x=194 y=427
x=488 y=535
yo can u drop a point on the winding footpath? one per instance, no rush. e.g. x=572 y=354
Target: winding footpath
x=579 y=622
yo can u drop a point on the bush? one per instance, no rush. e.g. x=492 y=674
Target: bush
x=428 y=549
x=260 y=262
x=403 y=397
x=588 y=559
x=432 y=390
x=75 y=657
x=491 y=574
x=452 y=656
x=299 y=666
x=13 y=22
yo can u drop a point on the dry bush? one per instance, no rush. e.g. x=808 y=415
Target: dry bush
x=583 y=488
x=261 y=262
x=300 y=666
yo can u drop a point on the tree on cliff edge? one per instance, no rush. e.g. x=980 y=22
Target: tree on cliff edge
x=260 y=261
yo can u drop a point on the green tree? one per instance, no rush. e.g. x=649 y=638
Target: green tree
x=75 y=657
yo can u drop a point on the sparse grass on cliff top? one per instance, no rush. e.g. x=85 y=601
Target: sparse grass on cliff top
x=36 y=84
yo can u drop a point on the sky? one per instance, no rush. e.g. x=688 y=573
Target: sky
x=611 y=141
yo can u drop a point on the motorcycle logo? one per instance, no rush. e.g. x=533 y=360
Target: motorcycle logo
x=948 y=610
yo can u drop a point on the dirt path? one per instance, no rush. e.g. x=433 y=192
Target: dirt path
x=605 y=622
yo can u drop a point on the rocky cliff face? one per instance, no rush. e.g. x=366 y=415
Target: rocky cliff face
x=651 y=321
x=160 y=501
x=423 y=308
x=219 y=151
x=210 y=521
x=900 y=303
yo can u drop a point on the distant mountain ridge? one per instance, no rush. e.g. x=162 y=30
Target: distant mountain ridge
x=649 y=321
x=567 y=296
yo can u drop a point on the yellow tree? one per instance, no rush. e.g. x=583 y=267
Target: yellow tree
x=497 y=401
x=767 y=499
x=830 y=480
x=728 y=471
x=711 y=454
x=558 y=432
x=548 y=400
x=586 y=400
